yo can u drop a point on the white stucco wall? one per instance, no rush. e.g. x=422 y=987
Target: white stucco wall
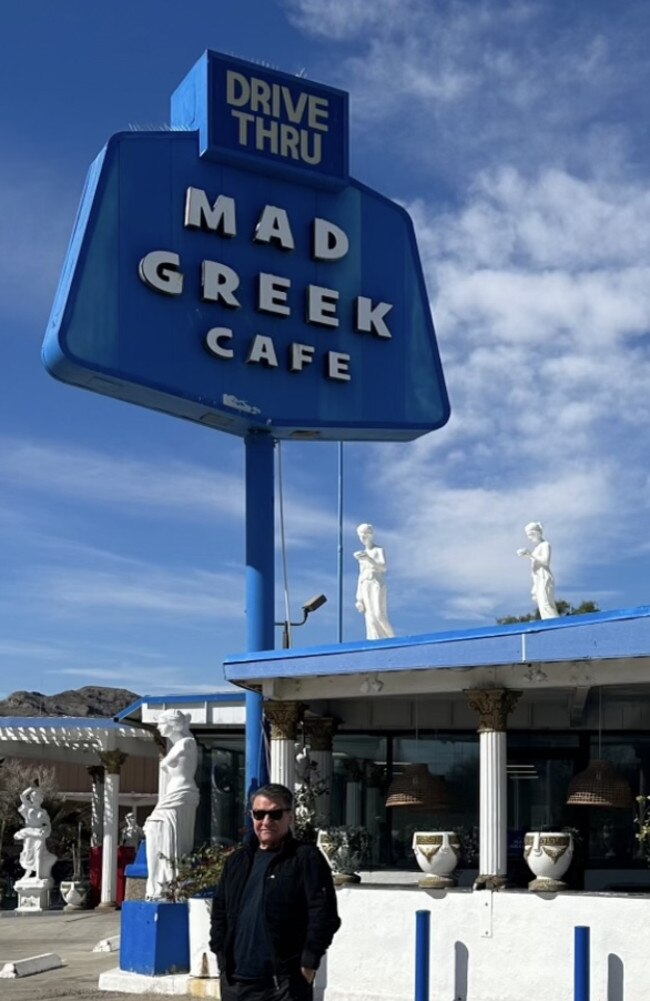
x=485 y=946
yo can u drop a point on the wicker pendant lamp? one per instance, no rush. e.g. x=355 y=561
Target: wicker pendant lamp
x=599 y=785
x=417 y=788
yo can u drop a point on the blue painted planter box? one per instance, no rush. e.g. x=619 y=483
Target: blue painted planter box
x=154 y=938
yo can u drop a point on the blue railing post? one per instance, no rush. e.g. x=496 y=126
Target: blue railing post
x=581 y=964
x=422 y=945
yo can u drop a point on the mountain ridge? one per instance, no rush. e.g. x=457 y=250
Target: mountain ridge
x=90 y=700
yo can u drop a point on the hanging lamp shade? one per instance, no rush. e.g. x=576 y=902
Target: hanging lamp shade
x=599 y=785
x=416 y=787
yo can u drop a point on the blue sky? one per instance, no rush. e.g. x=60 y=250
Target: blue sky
x=517 y=136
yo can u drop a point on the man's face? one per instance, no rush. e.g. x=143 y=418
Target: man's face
x=271 y=832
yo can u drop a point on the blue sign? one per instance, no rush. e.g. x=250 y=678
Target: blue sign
x=264 y=119
x=229 y=272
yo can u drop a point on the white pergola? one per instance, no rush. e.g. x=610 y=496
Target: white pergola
x=102 y=745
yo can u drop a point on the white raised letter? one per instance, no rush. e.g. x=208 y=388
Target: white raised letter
x=273 y=224
x=301 y=355
x=232 y=97
x=318 y=113
x=199 y=214
x=262 y=350
x=338 y=366
x=212 y=339
x=219 y=282
x=330 y=242
x=272 y=295
x=260 y=95
x=321 y=306
x=369 y=316
x=159 y=269
x=244 y=121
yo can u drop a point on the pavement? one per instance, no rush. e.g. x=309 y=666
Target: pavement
x=71 y=935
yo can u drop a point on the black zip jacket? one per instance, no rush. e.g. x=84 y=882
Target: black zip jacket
x=299 y=905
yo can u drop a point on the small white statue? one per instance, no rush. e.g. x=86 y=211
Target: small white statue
x=372 y=593
x=169 y=829
x=543 y=591
x=304 y=763
x=131 y=833
x=35 y=858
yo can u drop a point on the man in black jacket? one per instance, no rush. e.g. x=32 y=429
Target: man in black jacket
x=274 y=912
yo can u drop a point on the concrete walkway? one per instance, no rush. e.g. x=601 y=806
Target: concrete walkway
x=72 y=936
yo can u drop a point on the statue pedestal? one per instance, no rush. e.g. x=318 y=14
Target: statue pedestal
x=33 y=894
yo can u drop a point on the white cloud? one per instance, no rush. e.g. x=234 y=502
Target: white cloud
x=489 y=83
x=37 y=208
x=547 y=360
x=166 y=679
x=120 y=480
x=76 y=580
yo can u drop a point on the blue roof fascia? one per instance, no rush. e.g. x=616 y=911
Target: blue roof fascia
x=222 y=698
x=601 y=635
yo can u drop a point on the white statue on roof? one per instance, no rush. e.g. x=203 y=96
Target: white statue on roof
x=169 y=829
x=543 y=590
x=372 y=593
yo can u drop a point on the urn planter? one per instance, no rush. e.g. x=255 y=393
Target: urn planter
x=75 y=894
x=548 y=854
x=437 y=853
x=346 y=849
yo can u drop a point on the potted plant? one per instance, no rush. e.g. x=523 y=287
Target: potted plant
x=548 y=854
x=195 y=879
x=346 y=848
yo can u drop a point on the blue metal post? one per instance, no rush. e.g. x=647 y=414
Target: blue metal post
x=422 y=940
x=581 y=964
x=339 y=636
x=260 y=587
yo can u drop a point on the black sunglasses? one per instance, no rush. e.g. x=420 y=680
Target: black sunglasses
x=271 y=814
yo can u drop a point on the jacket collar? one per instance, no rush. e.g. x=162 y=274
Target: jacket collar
x=288 y=846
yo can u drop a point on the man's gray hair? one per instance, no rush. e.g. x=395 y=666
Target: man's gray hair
x=273 y=790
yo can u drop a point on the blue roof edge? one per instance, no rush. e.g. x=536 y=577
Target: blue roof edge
x=481 y=632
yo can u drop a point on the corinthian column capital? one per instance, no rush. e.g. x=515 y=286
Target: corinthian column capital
x=284 y=718
x=493 y=706
x=319 y=731
x=112 y=761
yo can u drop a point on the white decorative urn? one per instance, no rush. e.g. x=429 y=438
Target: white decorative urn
x=548 y=854
x=346 y=849
x=437 y=854
x=75 y=894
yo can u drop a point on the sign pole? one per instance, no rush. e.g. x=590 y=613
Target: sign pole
x=260 y=587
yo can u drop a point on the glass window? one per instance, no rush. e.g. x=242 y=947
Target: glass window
x=220 y=777
x=359 y=789
x=454 y=761
x=611 y=831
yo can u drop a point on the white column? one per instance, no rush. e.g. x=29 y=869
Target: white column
x=112 y=761
x=319 y=732
x=493 y=827
x=493 y=707
x=96 y=773
x=284 y=718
